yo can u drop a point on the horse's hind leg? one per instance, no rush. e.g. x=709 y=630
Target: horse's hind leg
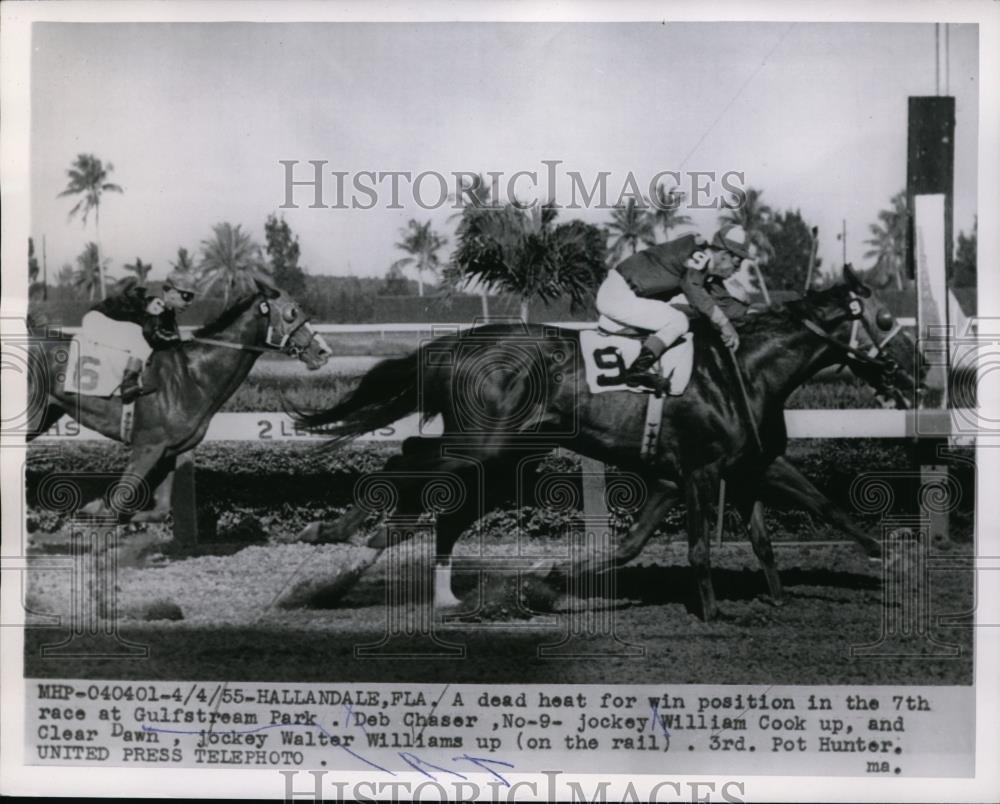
x=698 y=546
x=408 y=474
x=785 y=487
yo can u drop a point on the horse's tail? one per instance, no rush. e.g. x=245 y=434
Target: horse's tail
x=387 y=393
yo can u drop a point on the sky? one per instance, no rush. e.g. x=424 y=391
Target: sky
x=196 y=118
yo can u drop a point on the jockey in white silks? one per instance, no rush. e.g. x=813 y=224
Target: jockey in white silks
x=648 y=289
x=137 y=323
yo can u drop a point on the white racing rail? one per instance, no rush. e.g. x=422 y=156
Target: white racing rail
x=264 y=427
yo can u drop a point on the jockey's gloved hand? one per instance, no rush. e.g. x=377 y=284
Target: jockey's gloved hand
x=728 y=332
x=730 y=337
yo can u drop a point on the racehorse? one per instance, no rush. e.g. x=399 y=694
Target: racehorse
x=192 y=381
x=501 y=388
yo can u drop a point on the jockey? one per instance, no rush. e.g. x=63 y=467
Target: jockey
x=647 y=289
x=138 y=324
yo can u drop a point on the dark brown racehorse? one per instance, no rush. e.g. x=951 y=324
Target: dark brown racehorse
x=503 y=390
x=192 y=381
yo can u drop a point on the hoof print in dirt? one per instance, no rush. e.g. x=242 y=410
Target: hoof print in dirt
x=516 y=597
x=314 y=585
x=245 y=529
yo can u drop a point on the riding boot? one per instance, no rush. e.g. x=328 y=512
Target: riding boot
x=132 y=387
x=641 y=374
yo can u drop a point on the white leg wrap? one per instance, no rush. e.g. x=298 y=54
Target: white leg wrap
x=443 y=597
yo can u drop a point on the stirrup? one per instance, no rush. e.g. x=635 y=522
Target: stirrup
x=132 y=396
x=645 y=379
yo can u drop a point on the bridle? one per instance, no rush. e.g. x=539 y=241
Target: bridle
x=874 y=357
x=274 y=340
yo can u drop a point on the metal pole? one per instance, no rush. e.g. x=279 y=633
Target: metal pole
x=45 y=273
x=937 y=58
x=947 y=36
x=843 y=241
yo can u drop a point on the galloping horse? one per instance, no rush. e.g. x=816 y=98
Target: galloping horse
x=499 y=390
x=193 y=380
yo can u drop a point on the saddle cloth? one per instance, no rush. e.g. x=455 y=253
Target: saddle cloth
x=607 y=357
x=94 y=369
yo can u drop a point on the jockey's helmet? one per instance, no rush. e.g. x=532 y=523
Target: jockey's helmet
x=183 y=281
x=733 y=238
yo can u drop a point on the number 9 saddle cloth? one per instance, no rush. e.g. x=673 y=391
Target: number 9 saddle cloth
x=606 y=358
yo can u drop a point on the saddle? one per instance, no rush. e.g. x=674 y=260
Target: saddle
x=609 y=350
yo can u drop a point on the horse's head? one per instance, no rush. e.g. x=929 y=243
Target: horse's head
x=288 y=327
x=851 y=318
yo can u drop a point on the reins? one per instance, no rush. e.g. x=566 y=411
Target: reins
x=240 y=347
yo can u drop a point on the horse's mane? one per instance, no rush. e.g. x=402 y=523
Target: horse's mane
x=226 y=317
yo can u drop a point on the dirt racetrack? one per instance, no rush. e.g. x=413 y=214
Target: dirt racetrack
x=232 y=631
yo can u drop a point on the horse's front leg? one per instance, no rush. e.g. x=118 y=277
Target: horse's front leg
x=752 y=512
x=132 y=489
x=698 y=545
x=163 y=496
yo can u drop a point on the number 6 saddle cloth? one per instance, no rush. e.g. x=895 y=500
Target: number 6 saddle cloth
x=94 y=369
x=606 y=358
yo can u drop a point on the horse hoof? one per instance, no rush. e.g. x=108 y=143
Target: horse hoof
x=447 y=601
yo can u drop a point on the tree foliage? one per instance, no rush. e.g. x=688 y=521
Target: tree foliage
x=964 y=264
x=422 y=243
x=755 y=217
x=526 y=254
x=888 y=243
x=33 y=267
x=184 y=262
x=90 y=270
x=88 y=179
x=630 y=225
x=283 y=253
x=140 y=269
x=791 y=238
x=230 y=258
x=665 y=213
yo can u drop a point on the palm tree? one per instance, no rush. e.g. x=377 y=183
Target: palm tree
x=66 y=278
x=230 y=257
x=140 y=269
x=90 y=274
x=630 y=226
x=528 y=256
x=665 y=210
x=478 y=194
x=755 y=217
x=183 y=263
x=88 y=178
x=422 y=243
x=888 y=241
